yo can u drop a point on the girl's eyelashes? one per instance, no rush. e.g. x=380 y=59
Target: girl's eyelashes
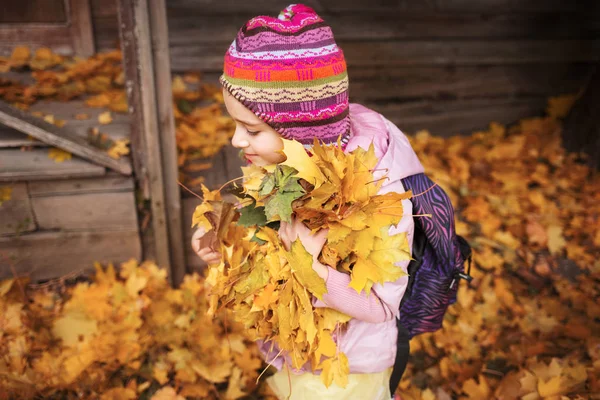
x=252 y=133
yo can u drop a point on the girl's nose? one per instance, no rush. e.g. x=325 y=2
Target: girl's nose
x=239 y=139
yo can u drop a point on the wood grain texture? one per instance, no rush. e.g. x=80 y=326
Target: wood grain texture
x=193 y=262
x=168 y=143
x=417 y=53
x=447 y=118
x=45 y=255
x=16 y=165
x=64 y=137
x=109 y=183
x=80 y=19
x=57 y=37
x=16 y=214
x=136 y=37
x=91 y=211
x=448 y=82
x=11 y=138
x=186 y=29
x=33 y=11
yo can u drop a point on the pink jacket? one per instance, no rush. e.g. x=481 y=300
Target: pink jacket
x=369 y=341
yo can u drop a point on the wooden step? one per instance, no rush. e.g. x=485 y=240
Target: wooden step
x=34 y=164
x=68 y=138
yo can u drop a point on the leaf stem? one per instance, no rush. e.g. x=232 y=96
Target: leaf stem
x=189 y=190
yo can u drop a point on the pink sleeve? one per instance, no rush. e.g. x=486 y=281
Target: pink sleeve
x=345 y=299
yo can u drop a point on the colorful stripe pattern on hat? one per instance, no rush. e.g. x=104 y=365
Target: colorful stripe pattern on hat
x=290 y=72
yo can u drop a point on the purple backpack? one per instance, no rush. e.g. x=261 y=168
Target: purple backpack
x=437 y=267
x=439 y=255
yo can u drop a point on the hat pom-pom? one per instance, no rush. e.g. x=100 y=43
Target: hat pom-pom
x=288 y=13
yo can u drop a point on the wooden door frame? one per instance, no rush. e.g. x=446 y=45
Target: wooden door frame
x=145 y=45
x=74 y=36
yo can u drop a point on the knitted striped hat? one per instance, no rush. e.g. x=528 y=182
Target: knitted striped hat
x=291 y=74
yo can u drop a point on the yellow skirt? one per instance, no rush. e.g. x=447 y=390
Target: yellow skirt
x=308 y=386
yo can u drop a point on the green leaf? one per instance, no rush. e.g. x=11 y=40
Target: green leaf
x=252 y=216
x=267 y=185
x=280 y=204
x=184 y=106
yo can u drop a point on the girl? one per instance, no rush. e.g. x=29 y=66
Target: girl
x=286 y=77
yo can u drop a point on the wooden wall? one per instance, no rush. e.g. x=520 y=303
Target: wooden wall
x=447 y=65
x=51 y=228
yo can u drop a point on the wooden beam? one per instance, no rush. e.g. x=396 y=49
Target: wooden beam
x=168 y=144
x=134 y=22
x=63 y=138
x=80 y=24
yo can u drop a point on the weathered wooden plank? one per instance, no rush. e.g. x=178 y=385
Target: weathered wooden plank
x=272 y=7
x=11 y=138
x=81 y=27
x=168 y=143
x=33 y=11
x=447 y=118
x=372 y=83
x=16 y=165
x=193 y=262
x=16 y=214
x=64 y=137
x=57 y=37
x=90 y=211
x=109 y=183
x=192 y=27
x=45 y=255
x=119 y=128
x=134 y=21
x=209 y=57
x=458 y=5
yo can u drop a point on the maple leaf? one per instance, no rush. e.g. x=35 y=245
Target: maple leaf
x=105 y=118
x=301 y=262
x=5 y=194
x=73 y=326
x=298 y=159
x=119 y=148
x=59 y=155
x=252 y=216
x=335 y=370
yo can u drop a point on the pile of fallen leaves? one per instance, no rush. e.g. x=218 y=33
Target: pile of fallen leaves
x=529 y=325
x=202 y=129
x=125 y=335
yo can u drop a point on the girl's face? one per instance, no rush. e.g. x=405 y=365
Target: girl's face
x=260 y=143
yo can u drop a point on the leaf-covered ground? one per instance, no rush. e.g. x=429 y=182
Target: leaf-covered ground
x=527 y=327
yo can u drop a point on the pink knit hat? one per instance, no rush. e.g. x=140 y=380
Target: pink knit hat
x=290 y=72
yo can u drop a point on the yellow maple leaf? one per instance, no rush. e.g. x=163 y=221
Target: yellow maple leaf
x=5 y=193
x=58 y=155
x=73 y=326
x=105 y=118
x=298 y=158
x=119 y=148
x=335 y=370
x=166 y=393
x=301 y=262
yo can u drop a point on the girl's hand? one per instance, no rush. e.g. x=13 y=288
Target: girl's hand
x=203 y=245
x=289 y=232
